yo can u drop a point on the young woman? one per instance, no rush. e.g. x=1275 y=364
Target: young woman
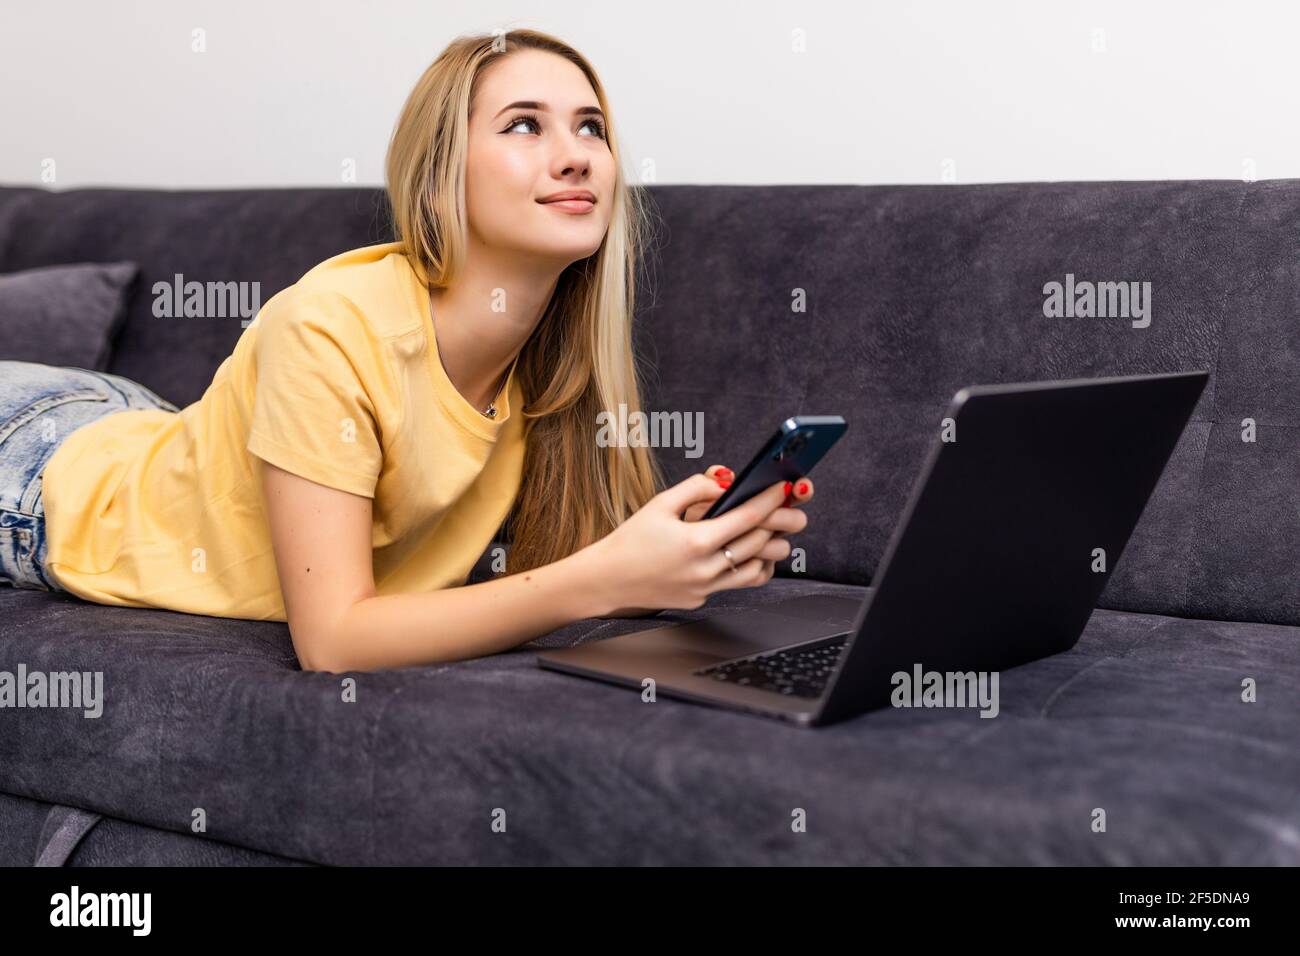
x=380 y=418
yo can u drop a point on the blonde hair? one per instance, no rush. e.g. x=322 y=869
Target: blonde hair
x=579 y=360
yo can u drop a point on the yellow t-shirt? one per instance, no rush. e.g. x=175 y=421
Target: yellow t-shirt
x=338 y=380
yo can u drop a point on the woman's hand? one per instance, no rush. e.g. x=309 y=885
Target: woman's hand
x=655 y=559
x=797 y=493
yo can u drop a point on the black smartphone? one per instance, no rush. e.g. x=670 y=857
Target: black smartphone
x=789 y=454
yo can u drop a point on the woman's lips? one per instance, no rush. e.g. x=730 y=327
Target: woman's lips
x=572 y=206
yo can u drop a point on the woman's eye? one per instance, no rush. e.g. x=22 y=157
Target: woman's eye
x=521 y=119
x=595 y=124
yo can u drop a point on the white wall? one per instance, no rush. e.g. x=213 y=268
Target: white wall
x=897 y=91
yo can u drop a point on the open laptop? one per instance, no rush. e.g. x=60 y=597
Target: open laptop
x=995 y=561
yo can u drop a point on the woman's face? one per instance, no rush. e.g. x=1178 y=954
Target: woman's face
x=521 y=155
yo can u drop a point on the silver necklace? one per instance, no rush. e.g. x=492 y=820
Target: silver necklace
x=491 y=411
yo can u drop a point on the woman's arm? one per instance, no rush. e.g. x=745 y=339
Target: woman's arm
x=322 y=542
x=399 y=630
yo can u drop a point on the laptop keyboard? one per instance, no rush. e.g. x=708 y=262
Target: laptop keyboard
x=800 y=671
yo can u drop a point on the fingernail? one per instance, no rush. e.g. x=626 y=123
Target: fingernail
x=803 y=488
x=725 y=473
x=788 y=486
x=724 y=482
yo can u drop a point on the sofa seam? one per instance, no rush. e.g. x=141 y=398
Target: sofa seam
x=114 y=816
x=1213 y=417
x=374 y=763
x=1107 y=658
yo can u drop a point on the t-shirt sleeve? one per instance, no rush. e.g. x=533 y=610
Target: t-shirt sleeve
x=318 y=371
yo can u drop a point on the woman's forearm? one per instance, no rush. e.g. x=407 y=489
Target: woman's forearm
x=402 y=630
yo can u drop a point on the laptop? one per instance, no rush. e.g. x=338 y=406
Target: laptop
x=1019 y=516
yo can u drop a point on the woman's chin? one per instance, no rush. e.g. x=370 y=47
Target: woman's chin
x=568 y=252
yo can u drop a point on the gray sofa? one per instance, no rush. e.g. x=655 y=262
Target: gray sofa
x=912 y=292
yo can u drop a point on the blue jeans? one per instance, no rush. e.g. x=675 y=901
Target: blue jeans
x=40 y=406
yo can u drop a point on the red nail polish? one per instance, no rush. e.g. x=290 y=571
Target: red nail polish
x=724 y=482
x=788 y=486
x=803 y=487
x=725 y=473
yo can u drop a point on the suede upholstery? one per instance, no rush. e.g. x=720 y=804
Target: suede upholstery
x=64 y=315
x=910 y=293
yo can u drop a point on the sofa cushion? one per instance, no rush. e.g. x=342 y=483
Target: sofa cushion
x=209 y=718
x=36 y=833
x=873 y=302
x=879 y=303
x=64 y=315
x=264 y=238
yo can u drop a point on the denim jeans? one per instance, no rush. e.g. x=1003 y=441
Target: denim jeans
x=40 y=406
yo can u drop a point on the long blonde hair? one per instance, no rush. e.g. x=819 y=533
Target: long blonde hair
x=579 y=360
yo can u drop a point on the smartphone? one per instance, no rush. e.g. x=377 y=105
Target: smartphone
x=790 y=454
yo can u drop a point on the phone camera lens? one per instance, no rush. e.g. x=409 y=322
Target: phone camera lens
x=791 y=448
